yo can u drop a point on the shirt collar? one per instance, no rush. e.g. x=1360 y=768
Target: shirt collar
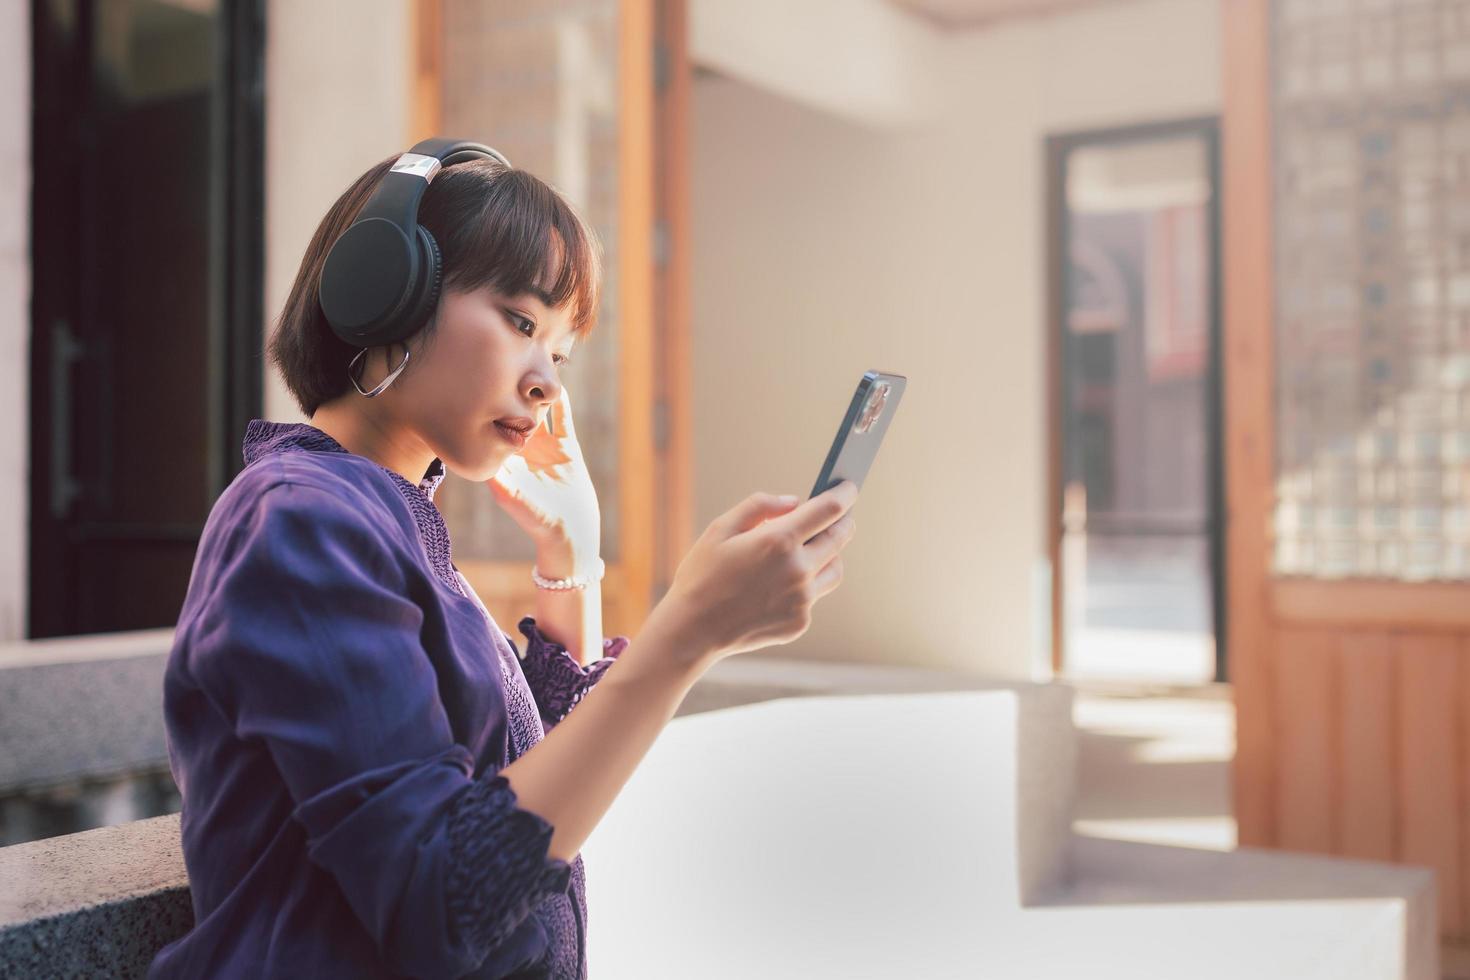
x=263 y=437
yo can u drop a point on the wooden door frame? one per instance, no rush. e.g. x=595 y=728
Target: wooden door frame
x=674 y=406
x=1352 y=695
x=1058 y=147
x=1249 y=310
x=1261 y=604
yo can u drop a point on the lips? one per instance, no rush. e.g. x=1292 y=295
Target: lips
x=515 y=431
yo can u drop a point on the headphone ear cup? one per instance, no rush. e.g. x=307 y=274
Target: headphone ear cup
x=431 y=277
x=369 y=281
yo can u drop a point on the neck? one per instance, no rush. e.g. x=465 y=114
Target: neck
x=363 y=433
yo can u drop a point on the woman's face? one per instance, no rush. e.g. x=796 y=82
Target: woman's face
x=492 y=356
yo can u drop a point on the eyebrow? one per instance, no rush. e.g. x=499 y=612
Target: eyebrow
x=547 y=300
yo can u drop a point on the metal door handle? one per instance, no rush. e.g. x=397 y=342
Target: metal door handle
x=65 y=351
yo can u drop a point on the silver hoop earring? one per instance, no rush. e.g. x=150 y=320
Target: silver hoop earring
x=383 y=385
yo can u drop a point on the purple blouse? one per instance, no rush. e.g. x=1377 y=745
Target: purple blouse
x=338 y=705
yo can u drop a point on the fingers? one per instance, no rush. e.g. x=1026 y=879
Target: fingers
x=558 y=420
x=821 y=549
x=513 y=467
x=752 y=511
x=818 y=513
x=827 y=579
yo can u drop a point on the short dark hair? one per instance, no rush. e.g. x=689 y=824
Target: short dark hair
x=496 y=226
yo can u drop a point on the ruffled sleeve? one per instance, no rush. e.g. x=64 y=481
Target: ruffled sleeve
x=555 y=677
x=310 y=647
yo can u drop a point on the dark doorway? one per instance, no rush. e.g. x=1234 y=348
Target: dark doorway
x=1137 y=471
x=147 y=228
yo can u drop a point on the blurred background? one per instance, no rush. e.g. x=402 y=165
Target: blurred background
x=1181 y=288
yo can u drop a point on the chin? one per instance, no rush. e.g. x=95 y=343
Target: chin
x=491 y=466
x=474 y=474
x=481 y=466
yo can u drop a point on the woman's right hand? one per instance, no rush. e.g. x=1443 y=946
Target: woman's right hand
x=752 y=577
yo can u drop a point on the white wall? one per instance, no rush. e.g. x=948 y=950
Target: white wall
x=824 y=247
x=15 y=314
x=881 y=72
x=337 y=97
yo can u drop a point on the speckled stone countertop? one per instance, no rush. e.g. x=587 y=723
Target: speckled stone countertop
x=81 y=706
x=99 y=903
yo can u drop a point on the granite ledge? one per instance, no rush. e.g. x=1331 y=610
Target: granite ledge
x=98 y=903
x=67 y=874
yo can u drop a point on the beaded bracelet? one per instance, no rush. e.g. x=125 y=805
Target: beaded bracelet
x=571 y=582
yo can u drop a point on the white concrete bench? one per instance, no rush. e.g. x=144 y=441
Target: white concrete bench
x=928 y=835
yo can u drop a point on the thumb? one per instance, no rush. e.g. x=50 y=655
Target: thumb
x=754 y=509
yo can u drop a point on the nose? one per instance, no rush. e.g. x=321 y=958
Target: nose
x=542 y=389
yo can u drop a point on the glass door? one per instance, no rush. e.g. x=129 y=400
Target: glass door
x=1139 y=476
x=146 y=311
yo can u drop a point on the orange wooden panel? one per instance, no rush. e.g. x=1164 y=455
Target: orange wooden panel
x=673 y=165
x=1462 y=932
x=1430 y=794
x=635 y=298
x=1247 y=307
x=426 y=40
x=1366 y=725
x=1418 y=607
x=1306 y=756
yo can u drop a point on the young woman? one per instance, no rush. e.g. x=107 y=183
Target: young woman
x=376 y=782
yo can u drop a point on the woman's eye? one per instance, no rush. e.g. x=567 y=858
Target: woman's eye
x=521 y=323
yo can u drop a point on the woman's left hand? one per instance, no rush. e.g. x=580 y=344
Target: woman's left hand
x=547 y=490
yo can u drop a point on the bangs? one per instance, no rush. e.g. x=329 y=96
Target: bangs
x=518 y=236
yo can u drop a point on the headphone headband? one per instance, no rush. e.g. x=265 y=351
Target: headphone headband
x=381 y=278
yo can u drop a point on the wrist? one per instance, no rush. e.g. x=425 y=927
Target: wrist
x=686 y=646
x=560 y=557
x=658 y=657
x=569 y=583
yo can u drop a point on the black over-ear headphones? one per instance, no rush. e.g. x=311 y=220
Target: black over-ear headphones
x=381 y=278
